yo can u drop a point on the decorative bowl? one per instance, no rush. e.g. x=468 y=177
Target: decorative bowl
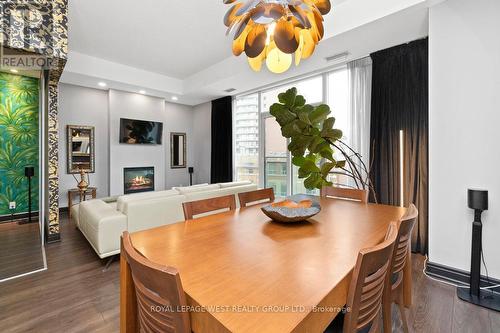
x=294 y=209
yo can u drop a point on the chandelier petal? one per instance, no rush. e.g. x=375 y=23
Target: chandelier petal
x=284 y=37
x=230 y=16
x=239 y=43
x=309 y=45
x=300 y=15
x=324 y=6
x=277 y=61
x=241 y=25
x=298 y=53
x=250 y=4
x=256 y=41
x=256 y=63
x=268 y=14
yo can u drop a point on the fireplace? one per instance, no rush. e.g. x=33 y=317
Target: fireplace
x=140 y=179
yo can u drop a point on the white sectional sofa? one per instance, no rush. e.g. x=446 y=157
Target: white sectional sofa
x=102 y=221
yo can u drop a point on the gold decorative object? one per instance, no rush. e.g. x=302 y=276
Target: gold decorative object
x=274 y=30
x=83 y=184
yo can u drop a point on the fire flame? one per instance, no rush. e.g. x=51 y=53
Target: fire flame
x=139 y=180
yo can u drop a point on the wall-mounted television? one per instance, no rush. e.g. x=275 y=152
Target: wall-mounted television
x=133 y=131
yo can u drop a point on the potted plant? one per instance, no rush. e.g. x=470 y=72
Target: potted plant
x=313 y=141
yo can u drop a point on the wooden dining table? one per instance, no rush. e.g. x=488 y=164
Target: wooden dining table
x=241 y=272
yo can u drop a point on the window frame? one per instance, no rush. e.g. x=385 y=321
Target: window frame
x=266 y=114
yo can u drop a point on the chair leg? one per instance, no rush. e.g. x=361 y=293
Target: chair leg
x=386 y=313
x=401 y=307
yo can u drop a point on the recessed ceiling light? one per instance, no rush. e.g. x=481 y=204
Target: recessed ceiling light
x=14 y=70
x=142 y=92
x=175 y=98
x=102 y=84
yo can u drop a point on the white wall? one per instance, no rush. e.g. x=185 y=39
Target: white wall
x=87 y=107
x=134 y=106
x=202 y=120
x=179 y=118
x=103 y=110
x=464 y=133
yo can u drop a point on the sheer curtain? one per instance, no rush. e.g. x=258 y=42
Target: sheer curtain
x=359 y=74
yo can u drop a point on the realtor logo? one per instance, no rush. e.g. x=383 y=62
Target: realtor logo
x=21 y=24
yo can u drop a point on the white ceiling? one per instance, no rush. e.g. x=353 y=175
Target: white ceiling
x=173 y=38
x=180 y=47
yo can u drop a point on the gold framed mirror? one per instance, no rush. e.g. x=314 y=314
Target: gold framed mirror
x=80 y=140
x=177 y=150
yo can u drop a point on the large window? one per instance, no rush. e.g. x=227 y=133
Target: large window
x=246 y=138
x=261 y=153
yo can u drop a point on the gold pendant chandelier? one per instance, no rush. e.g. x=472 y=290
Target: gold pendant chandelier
x=274 y=30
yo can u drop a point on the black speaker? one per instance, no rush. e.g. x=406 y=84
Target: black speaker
x=190 y=170
x=29 y=171
x=477 y=199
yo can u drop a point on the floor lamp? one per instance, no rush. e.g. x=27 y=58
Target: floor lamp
x=478 y=200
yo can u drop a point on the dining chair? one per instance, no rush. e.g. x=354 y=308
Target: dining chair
x=393 y=292
x=247 y=198
x=344 y=193
x=161 y=301
x=364 y=298
x=193 y=208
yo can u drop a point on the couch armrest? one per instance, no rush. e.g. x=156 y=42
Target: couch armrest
x=102 y=225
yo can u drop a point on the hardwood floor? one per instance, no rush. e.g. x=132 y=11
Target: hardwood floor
x=20 y=249
x=76 y=295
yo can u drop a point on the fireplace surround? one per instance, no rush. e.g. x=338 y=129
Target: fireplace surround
x=138 y=179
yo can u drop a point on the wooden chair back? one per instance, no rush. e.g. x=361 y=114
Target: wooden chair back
x=345 y=193
x=400 y=253
x=208 y=205
x=367 y=285
x=161 y=301
x=246 y=198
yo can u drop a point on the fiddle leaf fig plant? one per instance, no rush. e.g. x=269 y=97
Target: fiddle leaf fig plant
x=313 y=139
x=311 y=132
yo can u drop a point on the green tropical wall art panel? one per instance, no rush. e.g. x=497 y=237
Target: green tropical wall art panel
x=18 y=141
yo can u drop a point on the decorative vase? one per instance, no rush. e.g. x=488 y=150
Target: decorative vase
x=82 y=184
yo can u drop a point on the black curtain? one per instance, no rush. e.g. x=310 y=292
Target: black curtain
x=222 y=141
x=400 y=90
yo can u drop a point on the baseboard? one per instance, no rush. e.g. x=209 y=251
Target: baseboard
x=52 y=238
x=18 y=216
x=458 y=276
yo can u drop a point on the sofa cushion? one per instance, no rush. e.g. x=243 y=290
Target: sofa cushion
x=122 y=200
x=110 y=199
x=233 y=184
x=197 y=185
x=193 y=189
x=147 y=214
